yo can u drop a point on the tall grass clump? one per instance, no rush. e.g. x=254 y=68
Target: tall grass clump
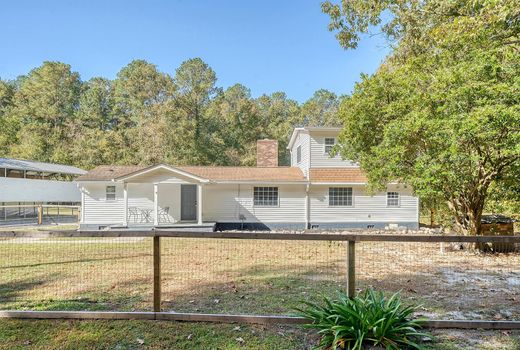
x=369 y=319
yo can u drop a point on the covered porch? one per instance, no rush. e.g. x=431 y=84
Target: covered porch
x=163 y=196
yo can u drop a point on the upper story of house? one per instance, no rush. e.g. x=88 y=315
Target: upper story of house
x=310 y=147
x=311 y=162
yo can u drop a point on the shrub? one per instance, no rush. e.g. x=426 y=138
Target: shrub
x=369 y=319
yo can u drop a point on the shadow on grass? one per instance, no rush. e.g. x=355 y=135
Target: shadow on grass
x=10 y=291
x=77 y=261
x=128 y=295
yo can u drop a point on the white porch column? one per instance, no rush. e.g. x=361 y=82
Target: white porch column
x=155 y=205
x=307 y=207
x=82 y=209
x=199 y=204
x=125 y=197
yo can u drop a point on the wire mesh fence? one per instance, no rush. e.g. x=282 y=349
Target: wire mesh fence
x=84 y=273
x=449 y=282
x=253 y=274
x=249 y=276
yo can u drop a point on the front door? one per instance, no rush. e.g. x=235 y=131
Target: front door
x=188 y=202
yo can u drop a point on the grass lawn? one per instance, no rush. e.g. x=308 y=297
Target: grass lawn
x=237 y=276
x=53 y=334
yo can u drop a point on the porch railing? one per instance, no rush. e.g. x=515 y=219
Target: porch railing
x=38 y=214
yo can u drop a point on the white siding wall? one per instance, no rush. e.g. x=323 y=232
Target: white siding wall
x=301 y=140
x=30 y=190
x=140 y=195
x=365 y=208
x=97 y=210
x=225 y=203
x=318 y=156
x=170 y=196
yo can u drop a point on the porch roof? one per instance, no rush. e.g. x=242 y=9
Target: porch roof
x=210 y=173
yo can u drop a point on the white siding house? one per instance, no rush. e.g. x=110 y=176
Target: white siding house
x=316 y=191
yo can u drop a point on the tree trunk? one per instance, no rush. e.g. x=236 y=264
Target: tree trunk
x=468 y=214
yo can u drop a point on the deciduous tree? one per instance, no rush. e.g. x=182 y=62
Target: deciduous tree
x=443 y=112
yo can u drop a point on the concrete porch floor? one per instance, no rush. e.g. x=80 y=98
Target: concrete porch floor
x=184 y=226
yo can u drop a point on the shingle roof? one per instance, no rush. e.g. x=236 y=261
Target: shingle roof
x=246 y=173
x=346 y=175
x=107 y=172
x=30 y=165
x=216 y=173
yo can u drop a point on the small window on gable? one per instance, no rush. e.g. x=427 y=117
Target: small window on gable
x=340 y=196
x=298 y=154
x=265 y=196
x=329 y=144
x=111 y=193
x=392 y=199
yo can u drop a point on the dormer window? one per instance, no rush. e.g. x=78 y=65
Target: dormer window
x=329 y=144
x=298 y=154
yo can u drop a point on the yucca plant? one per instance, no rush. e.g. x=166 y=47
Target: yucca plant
x=369 y=319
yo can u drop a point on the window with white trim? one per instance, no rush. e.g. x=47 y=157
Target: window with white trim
x=265 y=196
x=111 y=193
x=392 y=199
x=340 y=196
x=299 y=154
x=329 y=144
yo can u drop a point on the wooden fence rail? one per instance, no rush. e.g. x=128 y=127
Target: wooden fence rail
x=157 y=234
x=300 y=236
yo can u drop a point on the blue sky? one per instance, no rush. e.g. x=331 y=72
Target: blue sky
x=266 y=45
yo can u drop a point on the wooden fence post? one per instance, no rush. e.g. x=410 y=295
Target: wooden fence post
x=351 y=269
x=156 y=274
x=40 y=214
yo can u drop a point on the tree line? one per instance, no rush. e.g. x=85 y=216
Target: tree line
x=145 y=116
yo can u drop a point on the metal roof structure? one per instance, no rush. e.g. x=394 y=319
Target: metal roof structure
x=30 y=165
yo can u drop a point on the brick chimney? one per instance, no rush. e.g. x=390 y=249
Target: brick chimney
x=266 y=153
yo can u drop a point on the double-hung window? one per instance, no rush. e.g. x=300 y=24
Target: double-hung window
x=340 y=196
x=298 y=154
x=265 y=196
x=111 y=193
x=392 y=199
x=329 y=144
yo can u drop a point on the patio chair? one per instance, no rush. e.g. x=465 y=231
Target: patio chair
x=134 y=214
x=163 y=215
x=146 y=215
